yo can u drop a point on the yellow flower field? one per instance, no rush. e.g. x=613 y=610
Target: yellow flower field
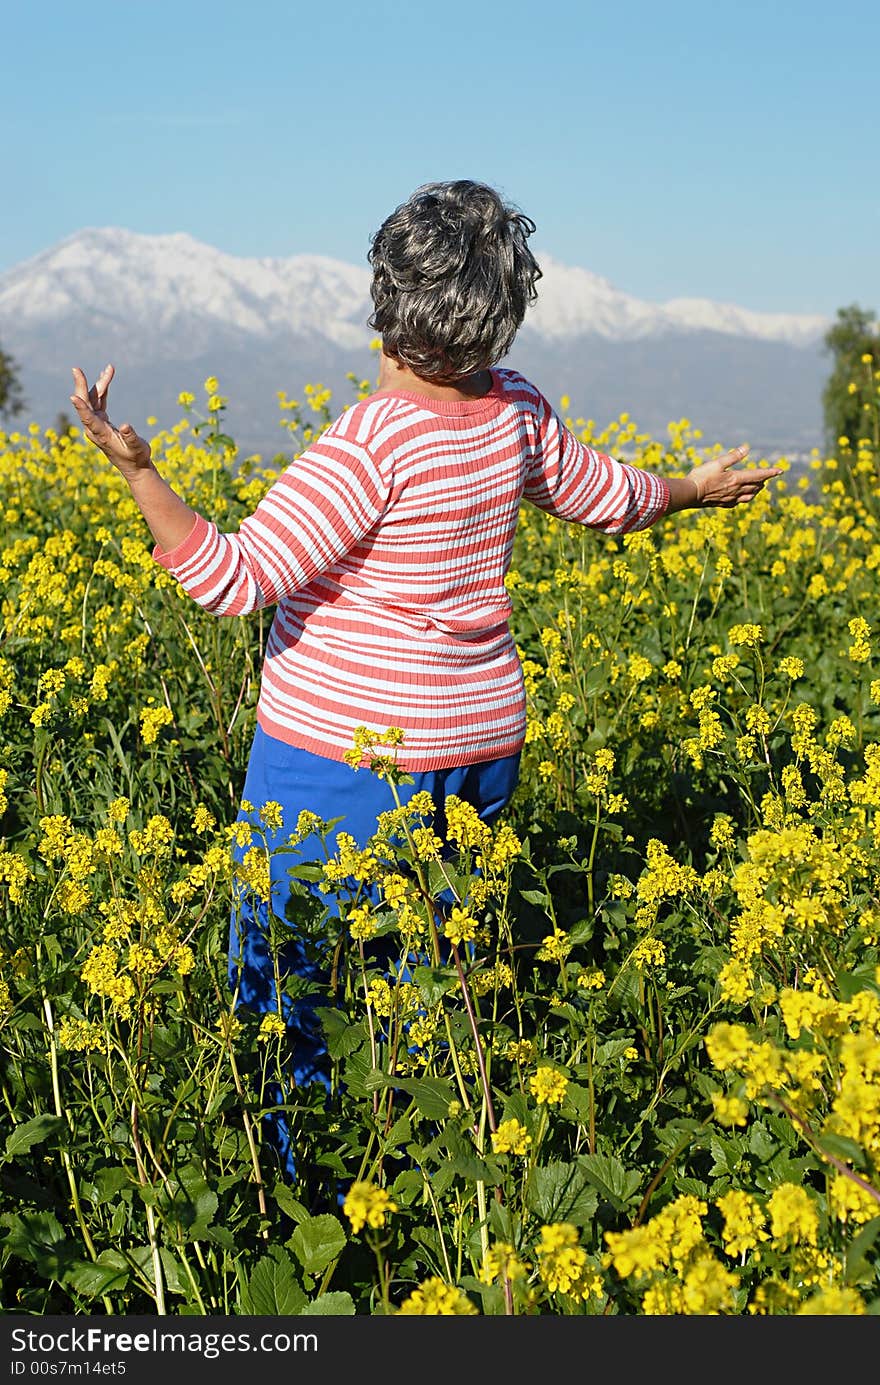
x=637 y=1068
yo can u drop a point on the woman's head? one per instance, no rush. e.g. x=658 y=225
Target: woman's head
x=452 y=278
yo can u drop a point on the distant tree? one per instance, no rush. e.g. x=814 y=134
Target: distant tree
x=63 y=424
x=12 y=400
x=849 y=399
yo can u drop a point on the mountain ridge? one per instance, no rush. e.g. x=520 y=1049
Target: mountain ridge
x=165 y=307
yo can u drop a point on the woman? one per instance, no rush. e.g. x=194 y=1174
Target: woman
x=385 y=546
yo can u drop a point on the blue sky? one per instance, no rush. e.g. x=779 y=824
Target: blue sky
x=679 y=149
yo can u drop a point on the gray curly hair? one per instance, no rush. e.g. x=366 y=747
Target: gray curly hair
x=452 y=278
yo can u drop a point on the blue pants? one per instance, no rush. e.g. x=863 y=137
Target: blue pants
x=298 y=780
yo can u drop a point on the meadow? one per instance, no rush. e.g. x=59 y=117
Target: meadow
x=634 y=1070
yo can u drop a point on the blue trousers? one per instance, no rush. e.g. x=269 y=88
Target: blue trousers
x=299 y=780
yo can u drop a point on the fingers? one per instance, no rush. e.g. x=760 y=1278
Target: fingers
x=735 y=455
x=80 y=386
x=98 y=392
x=96 y=429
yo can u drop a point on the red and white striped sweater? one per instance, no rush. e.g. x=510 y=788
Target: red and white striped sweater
x=385 y=547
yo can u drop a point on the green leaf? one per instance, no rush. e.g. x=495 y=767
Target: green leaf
x=473 y=1169
x=222 y=1236
x=110 y=1182
x=343 y=1037
x=432 y=1095
x=273 y=1289
x=624 y=992
x=539 y=897
x=304 y=872
x=333 y=1305
x=842 y=1148
x=761 y=1142
x=40 y=1238
x=582 y=931
x=611 y=1051
x=442 y=877
x=317 y=1241
x=861 y=978
x=32 y=1132
x=576 y=1104
x=727 y=1154
x=607 y=1174
x=434 y=982
x=189 y=1208
x=358 y=1074
x=516 y=1108
x=857 y=1265
x=175 y=1282
x=93 y=1279
x=399 y=1134
x=561 y=1192
x=297 y=1211
x=407 y=1186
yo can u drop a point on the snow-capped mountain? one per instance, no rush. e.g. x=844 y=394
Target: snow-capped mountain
x=165 y=282
x=166 y=308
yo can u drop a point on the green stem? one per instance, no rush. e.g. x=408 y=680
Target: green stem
x=65 y=1154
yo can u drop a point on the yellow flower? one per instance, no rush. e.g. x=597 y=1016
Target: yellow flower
x=647 y=953
x=729 y=1110
x=591 y=979
x=722 y=833
x=792 y=668
x=271 y=815
x=152 y=721
x=80 y=1036
x=203 y=820
x=749 y=635
x=835 y=1300
x=728 y=1046
x=367 y=1205
x=548 y=1086
x=520 y=1051
x=511 y=1138
x=794 y=1216
x=436 y=1298
x=555 y=947
x=860 y=649
x=562 y=1262
x=361 y=922
x=744 y=1222
x=272 y=1026
x=849 y=1201
x=501 y=1261
x=460 y=926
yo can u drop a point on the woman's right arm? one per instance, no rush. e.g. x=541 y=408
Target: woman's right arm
x=169 y=518
x=317 y=510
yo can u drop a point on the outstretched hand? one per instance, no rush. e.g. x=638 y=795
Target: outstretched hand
x=128 y=452
x=718 y=484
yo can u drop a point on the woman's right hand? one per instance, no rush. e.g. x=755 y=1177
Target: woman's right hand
x=128 y=452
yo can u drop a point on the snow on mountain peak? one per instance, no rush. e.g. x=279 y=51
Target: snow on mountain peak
x=175 y=283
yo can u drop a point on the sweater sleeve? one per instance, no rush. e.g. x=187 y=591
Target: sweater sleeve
x=574 y=482
x=323 y=504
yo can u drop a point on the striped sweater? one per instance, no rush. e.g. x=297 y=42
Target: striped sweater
x=384 y=548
